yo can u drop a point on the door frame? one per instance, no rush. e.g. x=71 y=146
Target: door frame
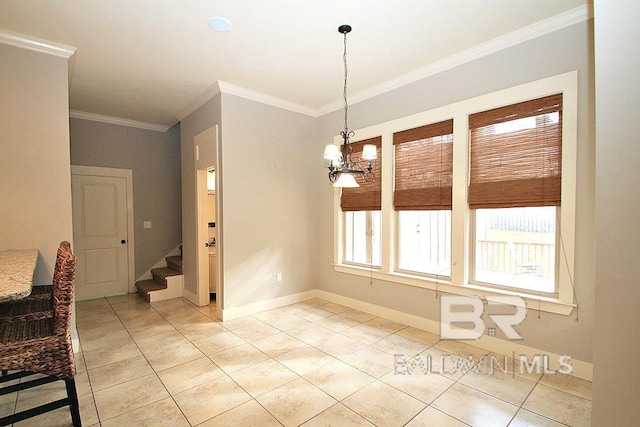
x=209 y=135
x=127 y=174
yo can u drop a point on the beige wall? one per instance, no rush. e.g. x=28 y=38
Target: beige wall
x=616 y=377
x=267 y=205
x=154 y=159
x=556 y=53
x=35 y=211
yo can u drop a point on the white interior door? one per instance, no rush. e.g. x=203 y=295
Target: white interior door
x=100 y=235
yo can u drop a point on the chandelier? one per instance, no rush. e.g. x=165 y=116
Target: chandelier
x=345 y=167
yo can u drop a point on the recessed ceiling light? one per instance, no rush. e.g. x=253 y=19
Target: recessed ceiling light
x=219 y=23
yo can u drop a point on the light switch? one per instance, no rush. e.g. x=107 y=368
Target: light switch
x=147 y=224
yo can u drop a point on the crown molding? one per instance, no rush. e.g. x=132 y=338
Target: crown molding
x=199 y=101
x=530 y=32
x=117 y=121
x=230 y=89
x=38 y=45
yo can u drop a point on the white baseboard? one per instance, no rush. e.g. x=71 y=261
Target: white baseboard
x=260 y=306
x=581 y=369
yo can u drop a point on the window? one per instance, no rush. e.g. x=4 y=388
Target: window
x=514 y=191
x=422 y=196
x=362 y=214
x=472 y=199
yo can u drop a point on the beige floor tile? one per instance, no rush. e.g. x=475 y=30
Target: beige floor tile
x=474 y=407
x=396 y=344
x=310 y=333
x=313 y=314
x=384 y=405
x=249 y=414
x=507 y=387
x=385 y=324
x=168 y=357
x=95 y=320
x=423 y=387
x=219 y=342
x=326 y=305
x=431 y=417
x=190 y=374
x=242 y=322
x=419 y=335
x=337 y=323
x=142 y=332
x=526 y=418
x=186 y=317
x=281 y=320
x=295 y=402
x=338 y=345
x=108 y=355
x=255 y=331
x=359 y=316
x=207 y=400
x=113 y=338
x=365 y=334
x=337 y=415
x=434 y=360
x=196 y=331
x=304 y=360
x=462 y=349
x=119 y=399
x=99 y=329
x=163 y=413
x=339 y=379
x=372 y=361
x=119 y=372
x=237 y=358
x=155 y=343
x=175 y=305
x=275 y=345
x=559 y=406
x=145 y=320
x=293 y=308
x=263 y=377
x=569 y=384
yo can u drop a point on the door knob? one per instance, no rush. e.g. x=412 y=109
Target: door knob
x=123 y=241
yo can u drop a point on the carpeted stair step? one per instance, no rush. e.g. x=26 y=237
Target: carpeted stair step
x=175 y=263
x=160 y=274
x=146 y=286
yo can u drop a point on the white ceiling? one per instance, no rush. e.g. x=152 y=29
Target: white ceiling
x=147 y=60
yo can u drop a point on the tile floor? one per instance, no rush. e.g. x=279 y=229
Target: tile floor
x=314 y=364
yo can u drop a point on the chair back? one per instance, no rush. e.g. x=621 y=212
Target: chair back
x=63 y=288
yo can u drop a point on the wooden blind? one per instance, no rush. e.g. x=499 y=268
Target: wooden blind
x=423 y=167
x=368 y=196
x=516 y=155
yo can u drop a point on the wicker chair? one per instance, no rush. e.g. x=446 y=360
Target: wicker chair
x=43 y=346
x=39 y=304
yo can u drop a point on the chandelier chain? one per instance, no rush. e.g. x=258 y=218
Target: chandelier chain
x=344 y=91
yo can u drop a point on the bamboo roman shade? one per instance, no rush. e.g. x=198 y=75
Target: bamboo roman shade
x=423 y=167
x=368 y=196
x=516 y=155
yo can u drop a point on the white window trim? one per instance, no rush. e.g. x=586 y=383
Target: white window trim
x=458 y=283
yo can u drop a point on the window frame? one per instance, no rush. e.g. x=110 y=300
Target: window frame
x=461 y=217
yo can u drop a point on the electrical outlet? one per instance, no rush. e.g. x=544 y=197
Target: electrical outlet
x=146 y=224
x=279 y=277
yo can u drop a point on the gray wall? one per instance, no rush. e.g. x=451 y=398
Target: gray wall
x=34 y=166
x=616 y=376
x=552 y=54
x=154 y=158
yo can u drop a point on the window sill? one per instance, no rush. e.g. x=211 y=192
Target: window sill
x=534 y=302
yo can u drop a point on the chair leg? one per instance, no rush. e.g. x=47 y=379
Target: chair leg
x=73 y=402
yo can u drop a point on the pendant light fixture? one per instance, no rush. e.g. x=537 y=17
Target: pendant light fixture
x=345 y=168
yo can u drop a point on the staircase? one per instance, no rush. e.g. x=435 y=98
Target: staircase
x=167 y=282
